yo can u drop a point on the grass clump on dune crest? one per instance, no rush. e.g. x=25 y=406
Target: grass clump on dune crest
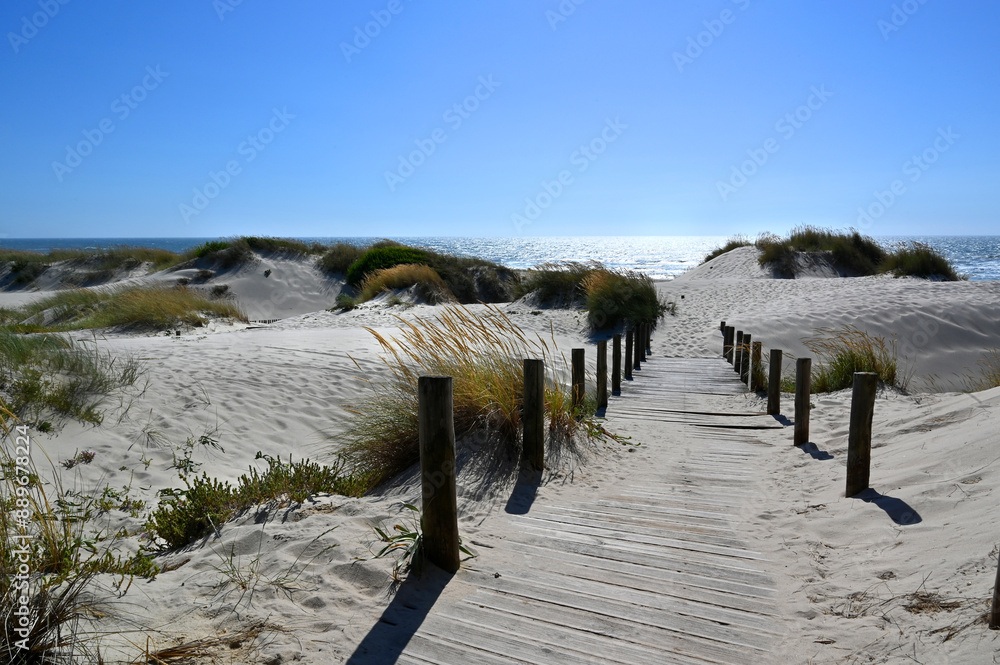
x=841 y=353
x=557 y=282
x=622 y=298
x=919 y=260
x=339 y=258
x=430 y=286
x=136 y=308
x=737 y=240
x=380 y=258
x=483 y=353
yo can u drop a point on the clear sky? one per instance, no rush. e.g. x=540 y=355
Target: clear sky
x=514 y=117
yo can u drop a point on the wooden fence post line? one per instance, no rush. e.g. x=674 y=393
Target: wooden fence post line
x=803 y=377
x=859 y=436
x=774 y=384
x=745 y=359
x=533 y=415
x=649 y=339
x=722 y=326
x=995 y=608
x=436 y=426
x=579 y=372
x=727 y=343
x=616 y=365
x=737 y=348
x=755 y=369
x=628 y=354
x=602 y=374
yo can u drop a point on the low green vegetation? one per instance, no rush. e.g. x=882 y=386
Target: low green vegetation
x=850 y=252
x=483 y=353
x=91 y=266
x=135 y=309
x=429 y=285
x=840 y=353
x=232 y=252
x=380 y=258
x=611 y=297
x=988 y=374
x=731 y=244
x=186 y=515
x=339 y=258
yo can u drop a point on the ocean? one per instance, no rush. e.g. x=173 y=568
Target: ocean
x=660 y=257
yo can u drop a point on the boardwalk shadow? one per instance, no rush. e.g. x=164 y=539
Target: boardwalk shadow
x=810 y=448
x=401 y=619
x=783 y=420
x=525 y=490
x=898 y=510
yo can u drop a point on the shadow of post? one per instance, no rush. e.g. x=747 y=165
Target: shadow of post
x=898 y=510
x=813 y=450
x=400 y=621
x=525 y=490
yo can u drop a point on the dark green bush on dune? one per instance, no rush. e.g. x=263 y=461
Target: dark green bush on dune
x=379 y=258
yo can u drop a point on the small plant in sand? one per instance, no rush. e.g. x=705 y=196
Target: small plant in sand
x=988 y=375
x=622 y=297
x=843 y=352
x=405 y=541
x=483 y=353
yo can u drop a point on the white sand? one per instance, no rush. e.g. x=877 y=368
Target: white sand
x=844 y=566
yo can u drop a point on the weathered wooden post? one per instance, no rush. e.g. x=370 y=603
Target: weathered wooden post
x=774 y=384
x=643 y=344
x=636 y=349
x=602 y=374
x=737 y=349
x=649 y=339
x=803 y=377
x=745 y=359
x=859 y=435
x=436 y=427
x=727 y=343
x=616 y=365
x=722 y=326
x=995 y=608
x=579 y=382
x=533 y=413
x=755 y=369
x=628 y=354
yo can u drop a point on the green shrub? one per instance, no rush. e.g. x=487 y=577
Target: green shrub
x=345 y=302
x=731 y=244
x=430 y=286
x=338 y=258
x=184 y=516
x=919 y=260
x=379 y=258
x=622 y=298
x=557 y=282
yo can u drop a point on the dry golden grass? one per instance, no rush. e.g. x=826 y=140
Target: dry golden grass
x=842 y=352
x=484 y=354
x=429 y=284
x=988 y=375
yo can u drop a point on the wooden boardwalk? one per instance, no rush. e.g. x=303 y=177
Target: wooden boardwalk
x=652 y=571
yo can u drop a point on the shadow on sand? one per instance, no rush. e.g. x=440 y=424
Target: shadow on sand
x=402 y=618
x=898 y=510
x=810 y=448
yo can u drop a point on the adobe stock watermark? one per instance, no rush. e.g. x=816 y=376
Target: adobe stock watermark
x=30 y=25
x=22 y=517
x=122 y=107
x=223 y=7
x=455 y=116
x=565 y=9
x=787 y=126
x=913 y=168
x=901 y=13
x=581 y=158
x=249 y=149
x=363 y=35
x=714 y=28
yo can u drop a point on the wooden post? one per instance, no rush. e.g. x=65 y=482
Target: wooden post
x=642 y=346
x=859 y=436
x=995 y=608
x=722 y=326
x=533 y=414
x=636 y=349
x=745 y=359
x=579 y=372
x=628 y=354
x=755 y=369
x=649 y=339
x=803 y=377
x=737 y=348
x=774 y=384
x=436 y=426
x=616 y=365
x=602 y=374
x=727 y=343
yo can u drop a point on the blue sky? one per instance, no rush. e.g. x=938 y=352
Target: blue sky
x=580 y=117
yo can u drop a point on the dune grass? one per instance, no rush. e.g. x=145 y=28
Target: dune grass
x=988 y=374
x=430 y=286
x=92 y=266
x=919 y=260
x=483 y=353
x=232 y=252
x=338 y=258
x=136 y=308
x=732 y=243
x=842 y=352
x=42 y=374
x=622 y=297
x=557 y=283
